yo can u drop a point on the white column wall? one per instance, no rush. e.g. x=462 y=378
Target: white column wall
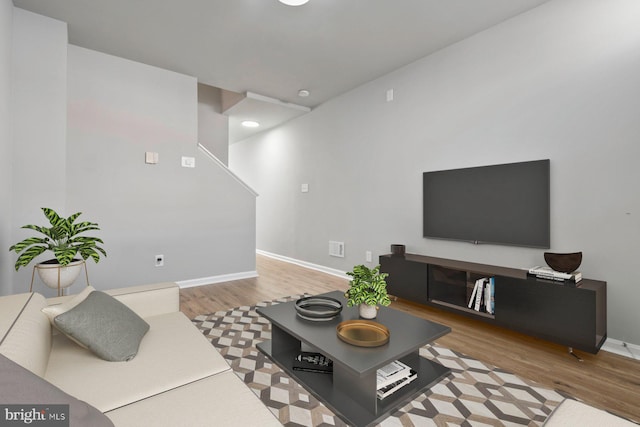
x=6 y=143
x=39 y=117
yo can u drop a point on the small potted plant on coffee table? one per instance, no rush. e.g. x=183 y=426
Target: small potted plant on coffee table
x=367 y=289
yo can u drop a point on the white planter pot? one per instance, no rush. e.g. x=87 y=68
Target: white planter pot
x=57 y=276
x=368 y=311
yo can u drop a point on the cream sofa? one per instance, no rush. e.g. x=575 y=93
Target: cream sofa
x=573 y=413
x=177 y=377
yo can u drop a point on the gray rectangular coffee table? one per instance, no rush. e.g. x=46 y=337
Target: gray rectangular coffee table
x=350 y=392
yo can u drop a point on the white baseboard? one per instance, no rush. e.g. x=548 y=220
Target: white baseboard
x=622 y=348
x=305 y=264
x=216 y=279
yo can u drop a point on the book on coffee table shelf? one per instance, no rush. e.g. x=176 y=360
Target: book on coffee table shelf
x=389 y=389
x=313 y=362
x=392 y=377
x=391 y=373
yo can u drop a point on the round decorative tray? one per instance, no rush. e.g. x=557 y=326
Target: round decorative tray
x=318 y=308
x=363 y=333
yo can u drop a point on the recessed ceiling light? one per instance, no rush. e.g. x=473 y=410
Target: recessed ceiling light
x=294 y=2
x=250 y=124
x=303 y=93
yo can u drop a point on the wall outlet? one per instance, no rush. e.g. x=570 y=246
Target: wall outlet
x=159 y=260
x=390 y=95
x=368 y=256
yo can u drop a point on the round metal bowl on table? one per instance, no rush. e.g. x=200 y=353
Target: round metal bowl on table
x=363 y=333
x=318 y=308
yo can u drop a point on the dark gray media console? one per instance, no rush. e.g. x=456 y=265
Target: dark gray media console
x=574 y=316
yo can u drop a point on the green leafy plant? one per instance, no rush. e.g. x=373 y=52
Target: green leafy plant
x=62 y=238
x=368 y=286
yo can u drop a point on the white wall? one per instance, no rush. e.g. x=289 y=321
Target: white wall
x=6 y=146
x=39 y=113
x=199 y=219
x=80 y=124
x=213 y=126
x=560 y=82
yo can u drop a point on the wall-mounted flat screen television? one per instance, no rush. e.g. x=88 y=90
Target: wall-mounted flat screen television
x=505 y=204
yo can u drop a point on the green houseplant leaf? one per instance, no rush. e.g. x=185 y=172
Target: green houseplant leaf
x=62 y=238
x=368 y=286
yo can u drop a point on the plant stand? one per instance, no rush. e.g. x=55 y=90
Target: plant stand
x=60 y=287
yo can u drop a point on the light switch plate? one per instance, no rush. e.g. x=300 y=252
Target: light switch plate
x=188 y=162
x=151 y=157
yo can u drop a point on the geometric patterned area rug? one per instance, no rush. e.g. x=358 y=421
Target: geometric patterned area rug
x=475 y=394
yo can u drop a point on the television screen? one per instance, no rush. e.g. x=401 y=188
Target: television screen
x=503 y=204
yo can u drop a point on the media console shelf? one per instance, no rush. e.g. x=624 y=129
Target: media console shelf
x=574 y=316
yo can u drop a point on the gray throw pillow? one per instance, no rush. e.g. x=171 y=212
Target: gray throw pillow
x=105 y=326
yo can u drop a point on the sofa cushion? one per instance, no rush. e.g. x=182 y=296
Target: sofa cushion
x=105 y=326
x=22 y=387
x=146 y=300
x=172 y=353
x=54 y=310
x=149 y=300
x=219 y=400
x=25 y=333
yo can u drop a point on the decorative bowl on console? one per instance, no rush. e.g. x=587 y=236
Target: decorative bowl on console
x=565 y=263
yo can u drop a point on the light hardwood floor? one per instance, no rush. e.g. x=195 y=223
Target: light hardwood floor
x=604 y=380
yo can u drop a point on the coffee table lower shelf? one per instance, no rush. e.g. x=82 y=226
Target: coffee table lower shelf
x=343 y=404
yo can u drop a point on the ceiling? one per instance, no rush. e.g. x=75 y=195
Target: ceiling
x=327 y=47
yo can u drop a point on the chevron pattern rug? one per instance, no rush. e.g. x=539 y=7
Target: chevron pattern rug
x=476 y=394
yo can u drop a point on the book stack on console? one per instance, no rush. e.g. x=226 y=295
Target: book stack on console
x=557 y=276
x=312 y=362
x=393 y=377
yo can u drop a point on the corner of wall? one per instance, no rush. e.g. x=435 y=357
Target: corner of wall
x=38 y=109
x=6 y=143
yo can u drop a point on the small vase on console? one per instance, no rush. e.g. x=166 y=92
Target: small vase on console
x=397 y=250
x=368 y=311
